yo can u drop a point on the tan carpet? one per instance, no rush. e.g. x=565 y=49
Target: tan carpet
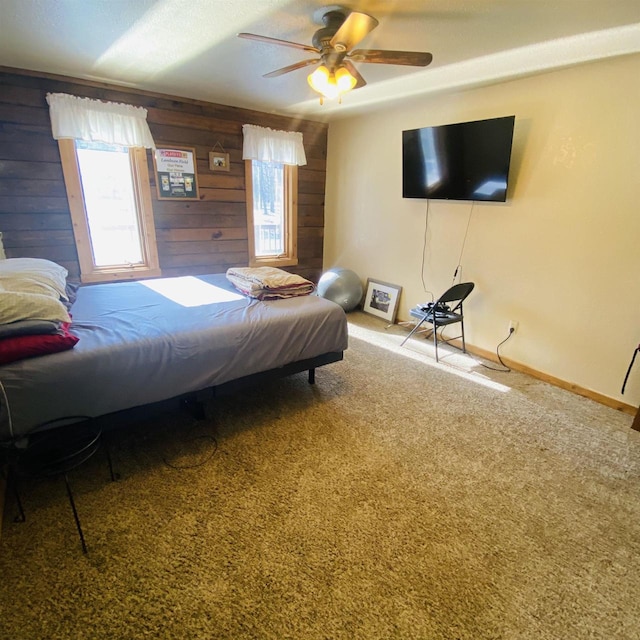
x=396 y=498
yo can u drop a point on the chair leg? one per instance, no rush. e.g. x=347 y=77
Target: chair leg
x=418 y=325
x=435 y=338
x=75 y=513
x=12 y=479
x=464 y=346
x=108 y=454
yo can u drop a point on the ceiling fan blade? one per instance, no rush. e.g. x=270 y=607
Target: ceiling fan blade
x=360 y=81
x=284 y=43
x=356 y=26
x=380 y=56
x=291 y=67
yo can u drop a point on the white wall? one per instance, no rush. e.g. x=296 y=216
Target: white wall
x=561 y=256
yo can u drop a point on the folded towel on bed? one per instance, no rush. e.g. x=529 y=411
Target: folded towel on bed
x=268 y=283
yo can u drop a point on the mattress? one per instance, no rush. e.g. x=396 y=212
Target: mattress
x=146 y=341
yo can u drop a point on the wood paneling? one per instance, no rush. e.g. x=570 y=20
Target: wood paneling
x=209 y=235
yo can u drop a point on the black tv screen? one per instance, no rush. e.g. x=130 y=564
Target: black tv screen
x=463 y=161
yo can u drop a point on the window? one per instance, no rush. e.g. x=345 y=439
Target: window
x=104 y=160
x=271 y=169
x=110 y=202
x=272 y=216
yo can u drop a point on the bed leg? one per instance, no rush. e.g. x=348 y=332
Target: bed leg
x=195 y=407
x=312 y=376
x=13 y=481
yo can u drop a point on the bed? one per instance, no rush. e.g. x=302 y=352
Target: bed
x=143 y=342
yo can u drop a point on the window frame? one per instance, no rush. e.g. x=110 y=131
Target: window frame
x=89 y=271
x=290 y=255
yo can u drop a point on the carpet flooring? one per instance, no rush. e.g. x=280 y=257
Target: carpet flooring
x=395 y=498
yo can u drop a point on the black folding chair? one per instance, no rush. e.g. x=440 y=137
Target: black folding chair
x=441 y=313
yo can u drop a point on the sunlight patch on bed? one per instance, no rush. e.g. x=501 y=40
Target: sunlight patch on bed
x=457 y=363
x=189 y=291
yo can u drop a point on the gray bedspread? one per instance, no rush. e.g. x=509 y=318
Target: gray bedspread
x=147 y=341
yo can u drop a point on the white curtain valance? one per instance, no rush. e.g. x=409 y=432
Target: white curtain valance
x=268 y=145
x=97 y=121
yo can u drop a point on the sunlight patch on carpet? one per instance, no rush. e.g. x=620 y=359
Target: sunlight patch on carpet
x=457 y=363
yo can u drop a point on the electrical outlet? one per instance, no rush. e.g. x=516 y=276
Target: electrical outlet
x=513 y=325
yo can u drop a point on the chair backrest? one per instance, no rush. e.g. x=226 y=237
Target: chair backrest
x=457 y=293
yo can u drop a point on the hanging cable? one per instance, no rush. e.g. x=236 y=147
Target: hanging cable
x=424 y=249
x=506 y=368
x=633 y=358
x=464 y=241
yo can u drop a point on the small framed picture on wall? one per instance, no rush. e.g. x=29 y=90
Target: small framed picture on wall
x=218 y=161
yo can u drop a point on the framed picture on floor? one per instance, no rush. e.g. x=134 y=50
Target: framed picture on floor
x=381 y=299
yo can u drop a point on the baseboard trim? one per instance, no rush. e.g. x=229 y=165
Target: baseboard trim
x=557 y=382
x=545 y=377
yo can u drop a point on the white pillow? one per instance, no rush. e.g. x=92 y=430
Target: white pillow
x=28 y=284
x=34 y=275
x=16 y=306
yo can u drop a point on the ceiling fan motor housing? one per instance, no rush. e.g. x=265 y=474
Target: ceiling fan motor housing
x=331 y=56
x=322 y=37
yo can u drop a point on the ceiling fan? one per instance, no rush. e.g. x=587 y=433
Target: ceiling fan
x=343 y=29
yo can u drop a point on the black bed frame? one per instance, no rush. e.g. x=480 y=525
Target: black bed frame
x=310 y=364
x=195 y=401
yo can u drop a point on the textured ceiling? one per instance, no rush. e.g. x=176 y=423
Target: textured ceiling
x=189 y=48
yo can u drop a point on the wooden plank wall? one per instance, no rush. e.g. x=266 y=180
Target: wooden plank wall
x=206 y=236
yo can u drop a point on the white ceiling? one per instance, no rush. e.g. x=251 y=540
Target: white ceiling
x=189 y=48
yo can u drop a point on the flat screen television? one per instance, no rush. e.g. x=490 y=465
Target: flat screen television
x=462 y=161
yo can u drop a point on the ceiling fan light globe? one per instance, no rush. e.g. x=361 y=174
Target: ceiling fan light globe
x=344 y=80
x=319 y=79
x=331 y=90
x=331 y=85
x=324 y=82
